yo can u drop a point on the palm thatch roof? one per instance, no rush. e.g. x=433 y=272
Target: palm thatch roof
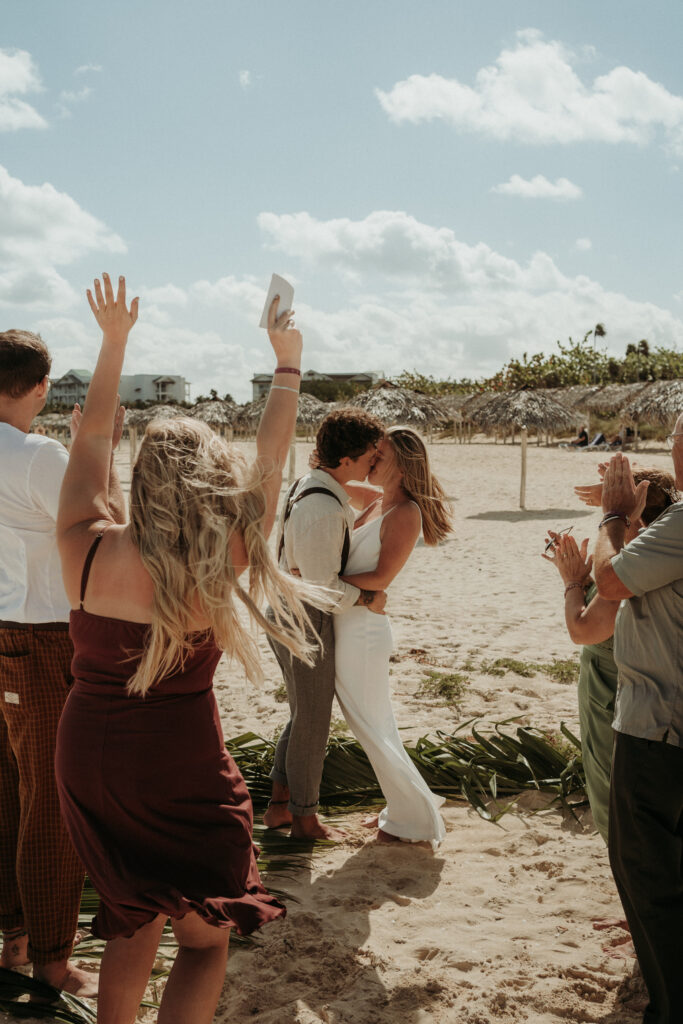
x=575 y=396
x=659 y=402
x=141 y=417
x=613 y=398
x=216 y=413
x=471 y=408
x=393 y=404
x=53 y=420
x=514 y=409
x=452 y=404
x=310 y=412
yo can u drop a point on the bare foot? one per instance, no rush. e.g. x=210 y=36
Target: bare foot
x=611 y=922
x=311 y=827
x=371 y=822
x=621 y=949
x=386 y=837
x=64 y=975
x=277 y=814
x=14 y=948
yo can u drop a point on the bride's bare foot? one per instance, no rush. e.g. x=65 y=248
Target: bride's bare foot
x=621 y=949
x=278 y=814
x=65 y=976
x=371 y=822
x=311 y=827
x=386 y=837
x=14 y=948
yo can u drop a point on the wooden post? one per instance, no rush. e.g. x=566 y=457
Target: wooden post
x=291 y=474
x=522 y=486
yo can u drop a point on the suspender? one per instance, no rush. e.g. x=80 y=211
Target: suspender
x=290 y=502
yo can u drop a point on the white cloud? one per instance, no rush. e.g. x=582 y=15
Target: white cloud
x=583 y=244
x=18 y=76
x=42 y=229
x=245 y=79
x=539 y=187
x=85 y=69
x=69 y=98
x=533 y=94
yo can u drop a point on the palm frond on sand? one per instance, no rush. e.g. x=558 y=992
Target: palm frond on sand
x=469 y=765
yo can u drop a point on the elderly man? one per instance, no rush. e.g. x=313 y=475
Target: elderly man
x=646 y=800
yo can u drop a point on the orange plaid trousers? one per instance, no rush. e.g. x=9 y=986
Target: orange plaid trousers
x=41 y=877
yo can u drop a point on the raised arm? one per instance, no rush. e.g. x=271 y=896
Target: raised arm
x=84 y=499
x=621 y=501
x=277 y=424
x=586 y=624
x=116 y=500
x=400 y=531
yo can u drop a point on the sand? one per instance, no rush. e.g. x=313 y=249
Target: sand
x=497 y=925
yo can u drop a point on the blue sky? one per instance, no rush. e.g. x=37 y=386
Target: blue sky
x=447 y=183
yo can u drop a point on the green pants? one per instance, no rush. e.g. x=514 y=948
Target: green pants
x=597 y=692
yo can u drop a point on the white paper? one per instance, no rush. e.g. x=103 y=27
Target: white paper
x=278 y=286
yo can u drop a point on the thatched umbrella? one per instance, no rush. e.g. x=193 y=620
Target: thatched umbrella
x=660 y=402
x=218 y=414
x=137 y=419
x=522 y=409
x=613 y=398
x=55 y=424
x=393 y=404
x=310 y=412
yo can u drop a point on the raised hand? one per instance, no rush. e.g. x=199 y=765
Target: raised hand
x=589 y=494
x=111 y=311
x=284 y=337
x=619 y=492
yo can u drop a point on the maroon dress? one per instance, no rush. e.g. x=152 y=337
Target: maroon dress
x=156 y=807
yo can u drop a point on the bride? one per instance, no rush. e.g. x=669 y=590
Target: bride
x=384 y=535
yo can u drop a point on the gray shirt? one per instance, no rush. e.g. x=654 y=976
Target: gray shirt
x=648 y=636
x=314 y=537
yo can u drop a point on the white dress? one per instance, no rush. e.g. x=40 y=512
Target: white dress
x=363 y=644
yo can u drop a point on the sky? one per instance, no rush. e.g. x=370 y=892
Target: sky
x=447 y=183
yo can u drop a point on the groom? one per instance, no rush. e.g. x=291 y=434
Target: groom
x=316 y=524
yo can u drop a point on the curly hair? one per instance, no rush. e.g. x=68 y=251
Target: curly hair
x=661 y=493
x=24 y=362
x=190 y=494
x=345 y=433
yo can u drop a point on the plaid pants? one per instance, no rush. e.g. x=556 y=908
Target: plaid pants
x=41 y=877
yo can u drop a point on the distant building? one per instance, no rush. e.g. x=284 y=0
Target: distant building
x=260 y=382
x=136 y=387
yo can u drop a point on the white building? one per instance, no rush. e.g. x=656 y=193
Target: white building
x=260 y=382
x=136 y=387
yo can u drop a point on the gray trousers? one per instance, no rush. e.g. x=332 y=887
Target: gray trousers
x=300 y=750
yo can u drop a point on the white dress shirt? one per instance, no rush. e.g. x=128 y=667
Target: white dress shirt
x=314 y=536
x=32 y=468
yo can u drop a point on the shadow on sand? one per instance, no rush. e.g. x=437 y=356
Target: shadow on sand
x=527 y=515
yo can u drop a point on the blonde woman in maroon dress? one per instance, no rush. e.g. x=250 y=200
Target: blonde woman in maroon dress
x=156 y=808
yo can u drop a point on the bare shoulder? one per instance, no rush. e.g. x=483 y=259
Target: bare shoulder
x=118 y=583
x=405 y=519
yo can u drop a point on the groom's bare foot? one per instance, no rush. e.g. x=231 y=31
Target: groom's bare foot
x=610 y=922
x=14 y=948
x=64 y=975
x=278 y=814
x=309 y=826
x=371 y=822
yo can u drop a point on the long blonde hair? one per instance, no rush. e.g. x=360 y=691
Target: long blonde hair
x=191 y=493
x=420 y=484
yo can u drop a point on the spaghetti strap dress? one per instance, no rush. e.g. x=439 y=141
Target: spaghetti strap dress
x=155 y=806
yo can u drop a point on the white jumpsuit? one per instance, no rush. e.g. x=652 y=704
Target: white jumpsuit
x=363 y=644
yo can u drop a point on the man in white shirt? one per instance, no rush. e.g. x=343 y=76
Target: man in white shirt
x=40 y=876
x=315 y=528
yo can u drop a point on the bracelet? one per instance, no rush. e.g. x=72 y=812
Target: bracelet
x=611 y=516
x=288 y=369
x=281 y=387
x=572 y=586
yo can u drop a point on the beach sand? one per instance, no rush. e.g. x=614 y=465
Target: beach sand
x=497 y=925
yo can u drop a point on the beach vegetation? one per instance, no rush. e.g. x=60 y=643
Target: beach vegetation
x=447 y=687
x=500 y=666
x=562 y=670
x=280 y=694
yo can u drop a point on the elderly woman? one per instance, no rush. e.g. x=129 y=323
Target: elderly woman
x=590 y=621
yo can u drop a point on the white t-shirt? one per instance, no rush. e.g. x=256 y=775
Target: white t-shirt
x=32 y=468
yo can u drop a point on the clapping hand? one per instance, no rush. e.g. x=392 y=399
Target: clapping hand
x=572 y=562
x=619 y=491
x=117 y=432
x=111 y=312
